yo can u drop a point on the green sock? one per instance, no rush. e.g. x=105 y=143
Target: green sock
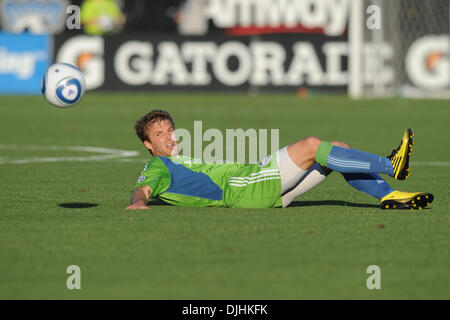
x=322 y=153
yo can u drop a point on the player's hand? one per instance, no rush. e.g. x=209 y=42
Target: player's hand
x=140 y=198
x=137 y=206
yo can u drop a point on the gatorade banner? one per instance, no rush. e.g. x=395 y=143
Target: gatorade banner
x=156 y=62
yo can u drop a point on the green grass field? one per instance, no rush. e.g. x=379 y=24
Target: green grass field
x=60 y=213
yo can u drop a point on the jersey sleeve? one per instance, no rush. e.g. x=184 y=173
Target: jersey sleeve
x=156 y=176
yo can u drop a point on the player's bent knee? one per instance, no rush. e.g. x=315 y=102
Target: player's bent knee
x=304 y=146
x=313 y=143
x=340 y=144
x=303 y=152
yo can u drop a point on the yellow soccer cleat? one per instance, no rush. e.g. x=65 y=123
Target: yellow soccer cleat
x=400 y=156
x=406 y=200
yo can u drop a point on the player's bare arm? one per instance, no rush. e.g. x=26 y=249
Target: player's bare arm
x=140 y=198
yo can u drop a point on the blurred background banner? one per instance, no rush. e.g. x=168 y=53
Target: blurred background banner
x=366 y=48
x=33 y=16
x=23 y=61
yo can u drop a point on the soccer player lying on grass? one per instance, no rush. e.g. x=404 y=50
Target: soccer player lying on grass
x=275 y=182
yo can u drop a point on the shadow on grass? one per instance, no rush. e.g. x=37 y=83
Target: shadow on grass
x=332 y=203
x=159 y=202
x=77 y=205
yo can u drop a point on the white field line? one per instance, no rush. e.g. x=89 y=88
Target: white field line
x=106 y=153
x=133 y=160
x=430 y=163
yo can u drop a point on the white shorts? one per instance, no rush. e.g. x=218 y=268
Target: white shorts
x=289 y=171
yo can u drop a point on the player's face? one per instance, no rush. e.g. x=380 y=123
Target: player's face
x=162 y=139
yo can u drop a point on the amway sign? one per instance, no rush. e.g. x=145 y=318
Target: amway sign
x=329 y=17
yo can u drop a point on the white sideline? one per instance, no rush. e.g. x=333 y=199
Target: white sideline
x=108 y=154
x=430 y=163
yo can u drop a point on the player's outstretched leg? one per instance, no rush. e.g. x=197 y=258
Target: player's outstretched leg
x=369 y=183
x=374 y=185
x=348 y=160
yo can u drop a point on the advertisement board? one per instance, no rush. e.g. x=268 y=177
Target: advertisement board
x=23 y=61
x=156 y=62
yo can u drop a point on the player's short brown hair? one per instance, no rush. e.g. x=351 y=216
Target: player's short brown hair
x=150 y=118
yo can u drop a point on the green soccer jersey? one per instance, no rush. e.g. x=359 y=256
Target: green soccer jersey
x=184 y=181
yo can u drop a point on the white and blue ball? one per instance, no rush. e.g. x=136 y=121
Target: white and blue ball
x=63 y=85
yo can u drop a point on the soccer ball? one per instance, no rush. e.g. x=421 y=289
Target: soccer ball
x=63 y=85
